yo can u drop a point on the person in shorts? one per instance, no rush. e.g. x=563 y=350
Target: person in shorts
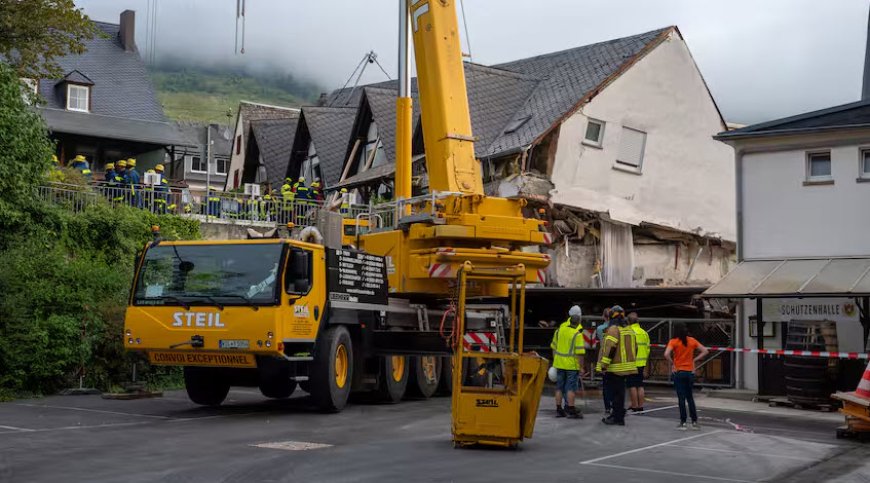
x=634 y=383
x=568 y=352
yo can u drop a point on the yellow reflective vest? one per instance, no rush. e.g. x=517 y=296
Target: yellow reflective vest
x=567 y=344
x=642 y=344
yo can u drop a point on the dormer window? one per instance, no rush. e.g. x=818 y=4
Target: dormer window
x=78 y=97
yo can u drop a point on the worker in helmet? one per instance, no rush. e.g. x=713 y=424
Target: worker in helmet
x=135 y=183
x=617 y=359
x=55 y=175
x=121 y=189
x=161 y=191
x=80 y=163
x=345 y=203
x=316 y=194
x=303 y=194
x=287 y=198
x=568 y=352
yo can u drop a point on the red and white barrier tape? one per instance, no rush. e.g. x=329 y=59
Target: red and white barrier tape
x=789 y=352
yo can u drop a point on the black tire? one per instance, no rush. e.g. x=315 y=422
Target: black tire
x=305 y=386
x=391 y=390
x=326 y=391
x=445 y=383
x=424 y=375
x=206 y=386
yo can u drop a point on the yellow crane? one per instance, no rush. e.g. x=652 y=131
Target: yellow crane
x=315 y=312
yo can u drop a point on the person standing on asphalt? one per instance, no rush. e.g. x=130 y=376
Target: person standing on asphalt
x=681 y=354
x=599 y=335
x=568 y=352
x=635 y=382
x=617 y=358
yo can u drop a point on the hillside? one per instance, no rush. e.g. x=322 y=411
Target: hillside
x=196 y=93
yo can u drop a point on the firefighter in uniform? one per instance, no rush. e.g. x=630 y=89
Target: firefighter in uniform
x=568 y=352
x=80 y=163
x=134 y=181
x=302 y=194
x=161 y=194
x=617 y=360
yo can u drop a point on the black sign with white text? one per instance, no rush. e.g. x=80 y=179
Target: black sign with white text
x=356 y=276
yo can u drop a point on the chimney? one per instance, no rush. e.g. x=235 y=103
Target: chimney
x=322 y=100
x=127 y=34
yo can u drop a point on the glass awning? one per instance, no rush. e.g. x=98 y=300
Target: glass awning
x=795 y=277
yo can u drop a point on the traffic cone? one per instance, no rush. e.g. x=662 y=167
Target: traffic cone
x=863 y=390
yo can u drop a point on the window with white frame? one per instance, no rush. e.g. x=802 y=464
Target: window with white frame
x=196 y=163
x=632 y=144
x=78 y=97
x=864 y=172
x=594 y=133
x=221 y=165
x=819 y=166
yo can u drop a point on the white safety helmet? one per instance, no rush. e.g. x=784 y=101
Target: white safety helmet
x=551 y=373
x=575 y=310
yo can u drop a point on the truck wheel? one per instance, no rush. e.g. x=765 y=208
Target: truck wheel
x=393 y=379
x=205 y=385
x=424 y=375
x=332 y=370
x=445 y=383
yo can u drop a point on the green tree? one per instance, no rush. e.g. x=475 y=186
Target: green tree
x=33 y=33
x=26 y=152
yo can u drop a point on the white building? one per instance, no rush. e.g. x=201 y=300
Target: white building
x=803 y=187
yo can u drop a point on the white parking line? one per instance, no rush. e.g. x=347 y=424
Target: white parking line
x=72 y=428
x=637 y=450
x=103 y=411
x=672 y=473
x=750 y=453
x=655 y=409
x=13 y=428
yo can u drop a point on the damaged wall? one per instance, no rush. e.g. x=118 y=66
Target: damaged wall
x=661 y=264
x=686 y=179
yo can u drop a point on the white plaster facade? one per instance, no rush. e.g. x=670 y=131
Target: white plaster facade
x=784 y=215
x=686 y=181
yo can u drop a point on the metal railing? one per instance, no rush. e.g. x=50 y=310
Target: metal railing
x=209 y=207
x=392 y=212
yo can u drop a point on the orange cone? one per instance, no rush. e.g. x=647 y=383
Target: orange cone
x=863 y=390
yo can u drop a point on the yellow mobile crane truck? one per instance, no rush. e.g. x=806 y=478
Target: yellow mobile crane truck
x=275 y=313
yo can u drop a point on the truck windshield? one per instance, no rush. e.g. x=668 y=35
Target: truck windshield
x=236 y=274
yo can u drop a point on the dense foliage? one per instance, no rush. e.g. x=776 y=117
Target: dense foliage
x=65 y=276
x=34 y=33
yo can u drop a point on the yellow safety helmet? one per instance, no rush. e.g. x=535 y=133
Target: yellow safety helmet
x=344 y=190
x=131 y=162
x=159 y=167
x=122 y=163
x=302 y=179
x=79 y=157
x=54 y=159
x=150 y=171
x=110 y=165
x=288 y=180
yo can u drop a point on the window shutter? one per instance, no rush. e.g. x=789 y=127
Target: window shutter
x=631 y=147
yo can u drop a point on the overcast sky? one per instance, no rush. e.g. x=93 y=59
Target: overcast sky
x=762 y=59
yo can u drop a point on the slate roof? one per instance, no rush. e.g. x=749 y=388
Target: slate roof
x=194 y=134
x=566 y=78
x=274 y=138
x=852 y=115
x=76 y=77
x=330 y=129
x=529 y=95
x=121 y=86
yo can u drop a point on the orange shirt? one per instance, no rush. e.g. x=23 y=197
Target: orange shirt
x=684 y=355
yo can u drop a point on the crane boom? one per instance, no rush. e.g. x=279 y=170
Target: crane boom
x=444 y=109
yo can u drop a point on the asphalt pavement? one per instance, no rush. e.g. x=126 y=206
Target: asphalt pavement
x=86 y=438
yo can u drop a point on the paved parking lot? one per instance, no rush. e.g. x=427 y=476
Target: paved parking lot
x=86 y=438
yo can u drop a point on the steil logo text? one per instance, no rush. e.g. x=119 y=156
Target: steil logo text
x=197 y=319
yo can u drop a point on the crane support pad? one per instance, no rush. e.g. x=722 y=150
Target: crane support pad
x=415 y=342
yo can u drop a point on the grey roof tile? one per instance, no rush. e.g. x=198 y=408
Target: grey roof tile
x=330 y=129
x=121 y=86
x=853 y=114
x=274 y=138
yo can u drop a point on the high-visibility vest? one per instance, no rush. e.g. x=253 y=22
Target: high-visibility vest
x=567 y=344
x=618 y=352
x=642 y=344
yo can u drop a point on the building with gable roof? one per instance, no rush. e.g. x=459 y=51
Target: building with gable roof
x=105 y=107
